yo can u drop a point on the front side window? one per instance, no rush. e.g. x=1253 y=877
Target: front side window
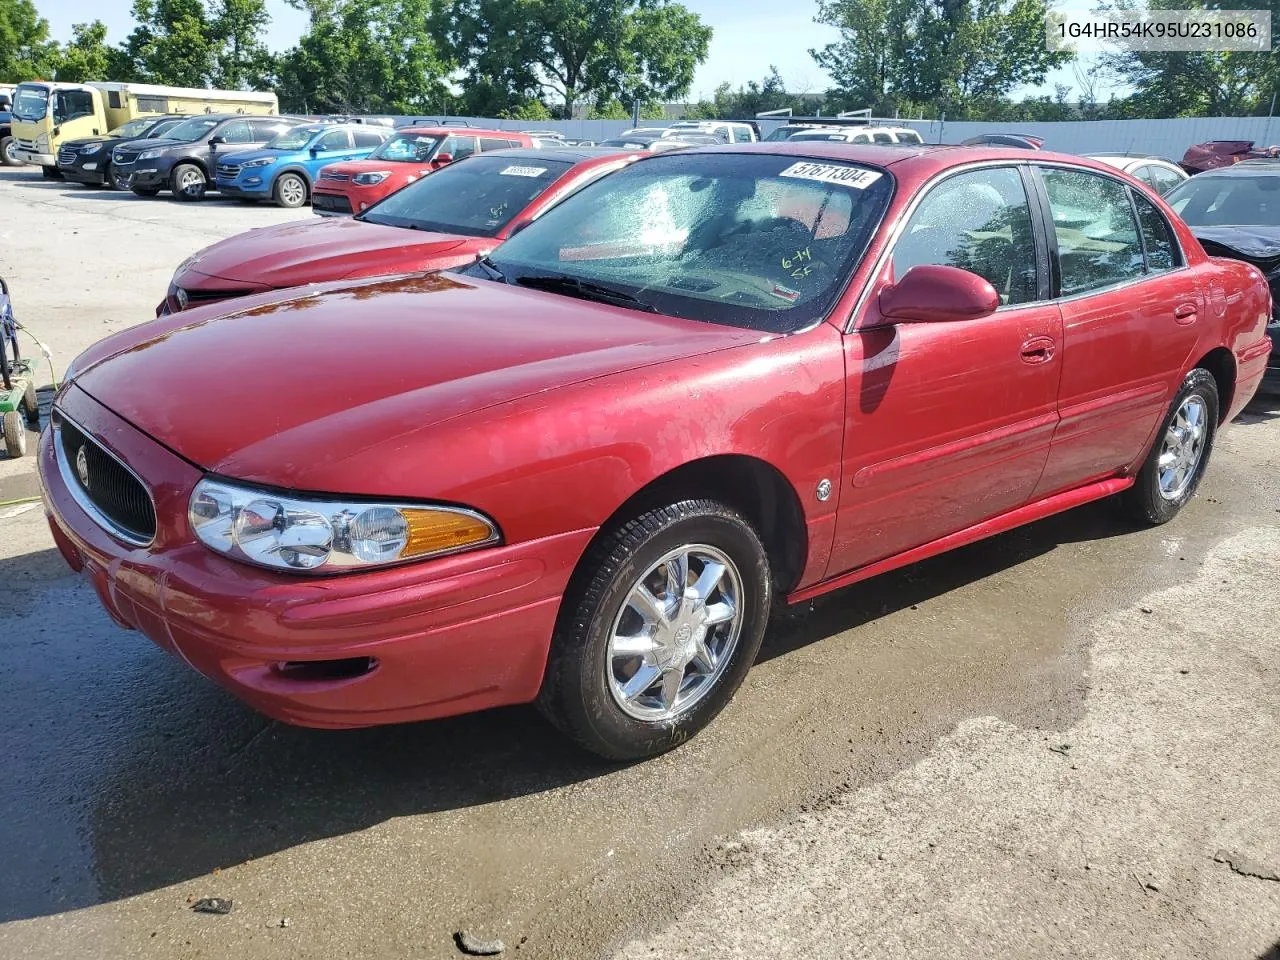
x=72 y=105
x=909 y=136
x=861 y=138
x=882 y=137
x=162 y=128
x=477 y=198
x=1162 y=254
x=459 y=147
x=134 y=128
x=978 y=221
x=407 y=148
x=335 y=140
x=753 y=240
x=1098 y=242
x=237 y=131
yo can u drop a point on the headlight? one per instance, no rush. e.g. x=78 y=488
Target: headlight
x=369 y=179
x=90 y=149
x=260 y=162
x=325 y=536
x=149 y=154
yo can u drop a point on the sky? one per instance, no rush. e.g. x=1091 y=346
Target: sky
x=749 y=36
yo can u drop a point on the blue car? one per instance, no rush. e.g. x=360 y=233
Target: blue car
x=284 y=169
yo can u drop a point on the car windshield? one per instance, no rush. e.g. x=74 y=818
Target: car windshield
x=626 y=144
x=295 y=138
x=406 y=148
x=162 y=128
x=30 y=103
x=134 y=128
x=753 y=240
x=476 y=197
x=1234 y=200
x=189 y=131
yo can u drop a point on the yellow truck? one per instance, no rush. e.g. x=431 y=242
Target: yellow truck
x=47 y=113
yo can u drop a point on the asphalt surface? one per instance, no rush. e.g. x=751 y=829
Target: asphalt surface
x=994 y=753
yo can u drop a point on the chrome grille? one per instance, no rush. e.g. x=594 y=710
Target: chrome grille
x=335 y=177
x=118 y=498
x=67 y=156
x=123 y=156
x=228 y=170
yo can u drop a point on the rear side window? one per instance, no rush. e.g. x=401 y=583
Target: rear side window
x=1098 y=242
x=265 y=129
x=493 y=143
x=882 y=138
x=862 y=138
x=909 y=136
x=1162 y=254
x=113 y=99
x=459 y=147
x=741 y=134
x=980 y=222
x=367 y=138
x=335 y=140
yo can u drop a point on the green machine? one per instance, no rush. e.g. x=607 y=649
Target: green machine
x=18 y=393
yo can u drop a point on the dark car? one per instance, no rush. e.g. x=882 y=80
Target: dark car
x=1235 y=212
x=185 y=159
x=89 y=160
x=657 y=143
x=8 y=145
x=1020 y=140
x=1214 y=154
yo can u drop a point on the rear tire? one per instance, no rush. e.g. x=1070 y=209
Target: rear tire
x=15 y=434
x=188 y=183
x=9 y=152
x=290 y=191
x=1180 y=454
x=32 y=403
x=699 y=636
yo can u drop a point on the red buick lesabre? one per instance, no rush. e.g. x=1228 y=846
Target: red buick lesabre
x=582 y=471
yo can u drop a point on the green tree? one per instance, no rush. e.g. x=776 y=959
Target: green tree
x=950 y=54
x=575 y=50
x=242 y=60
x=365 y=56
x=26 y=52
x=173 y=43
x=88 y=57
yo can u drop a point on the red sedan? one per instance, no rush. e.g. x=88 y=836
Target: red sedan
x=584 y=470
x=356 y=185
x=444 y=220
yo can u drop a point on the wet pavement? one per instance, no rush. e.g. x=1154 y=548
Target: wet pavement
x=132 y=787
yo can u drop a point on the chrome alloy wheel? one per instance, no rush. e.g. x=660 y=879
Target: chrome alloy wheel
x=191 y=183
x=1182 y=447
x=675 y=634
x=292 y=191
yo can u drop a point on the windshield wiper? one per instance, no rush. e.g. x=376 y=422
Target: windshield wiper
x=485 y=262
x=586 y=290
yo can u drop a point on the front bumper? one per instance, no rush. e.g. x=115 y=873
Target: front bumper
x=236 y=188
x=39 y=159
x=444 y=637
x=81 y=173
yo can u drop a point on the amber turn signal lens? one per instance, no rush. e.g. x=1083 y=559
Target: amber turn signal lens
x=436 y=531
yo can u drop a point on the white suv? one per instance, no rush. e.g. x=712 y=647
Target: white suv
x=855 y=134
x=724 y=130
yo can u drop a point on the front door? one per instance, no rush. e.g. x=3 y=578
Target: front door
x=949 y=424
x=1130 y=312
x=333 y=147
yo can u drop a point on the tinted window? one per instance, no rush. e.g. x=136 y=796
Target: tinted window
x=134 y=128
x=909 y=136
x=459 y=147
x=882 y=138
x=1161 y=253
x=979 y=222
x=477 y=198
x=752 y=240
x=189 y=131
x=860 y=138
x=741 y=135
x=72 y=104
x=493 y=143
x=267 y=129
x=368 y=138
x=335 y=140
x=1166 y=179
x=407 y=148
x=1097 y=238
x=113 y=99
x=237 y=131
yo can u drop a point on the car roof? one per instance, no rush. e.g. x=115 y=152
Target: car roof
x=567 y=154
x=452 y=131
x=1262 y=166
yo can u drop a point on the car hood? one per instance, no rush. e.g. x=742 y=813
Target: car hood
x=1255 y=244
x=291 y=384
x=319 y=250
x=405 y=167
x=241 y=156
x=158 y=143
x=85 y=141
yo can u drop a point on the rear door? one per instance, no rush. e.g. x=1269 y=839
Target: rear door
x=1130 y=311
x=949 y=424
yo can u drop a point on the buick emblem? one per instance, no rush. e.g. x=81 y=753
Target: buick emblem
x=82 y=468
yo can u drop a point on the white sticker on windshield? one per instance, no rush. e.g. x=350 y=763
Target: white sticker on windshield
x=518 y=171
x=855 y=177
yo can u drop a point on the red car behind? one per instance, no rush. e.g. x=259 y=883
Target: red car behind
x=1223 y=153
x=352 y=187
x=584 y=471
x=444 y=220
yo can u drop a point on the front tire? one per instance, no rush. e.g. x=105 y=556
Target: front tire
x=659 y=627
x=9 y=152
x=290 y=191
x=109 y=178
x=1180 y=454
x=50 y=173
x=146 y=191
x=188 y=183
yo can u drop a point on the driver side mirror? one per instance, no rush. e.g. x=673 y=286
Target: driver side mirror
x=443 y=158
x=214 y=141
x=934 y=293
x=315 y=150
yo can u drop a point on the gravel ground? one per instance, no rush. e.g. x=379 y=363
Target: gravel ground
x=1059 y=742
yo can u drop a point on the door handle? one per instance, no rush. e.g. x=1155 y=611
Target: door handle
x=1184 y=312
x=1038 y=350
